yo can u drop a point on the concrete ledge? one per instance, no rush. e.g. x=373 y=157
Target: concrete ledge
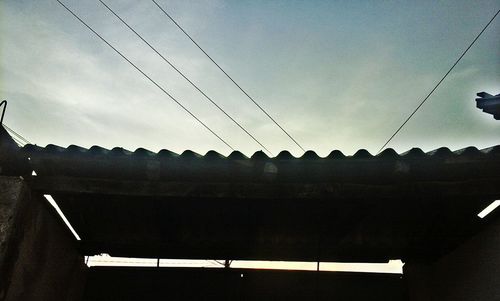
x=38 y=255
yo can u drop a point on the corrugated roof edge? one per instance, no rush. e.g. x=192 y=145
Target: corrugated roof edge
x=442 y=152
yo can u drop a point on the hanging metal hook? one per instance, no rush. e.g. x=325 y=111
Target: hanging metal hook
x=4 y=102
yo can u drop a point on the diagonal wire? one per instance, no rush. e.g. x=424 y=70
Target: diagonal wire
x=437 y=85
x=220 y=263
x=145 y=75
x=184 y=76
x=18 y=142
x=16 y=135
x=228 y=76
x=20 y=138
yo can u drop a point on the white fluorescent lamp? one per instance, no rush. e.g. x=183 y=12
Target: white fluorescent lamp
x=61 y=214
x=488 y=209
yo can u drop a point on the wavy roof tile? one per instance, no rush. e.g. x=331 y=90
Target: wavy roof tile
x=363 y=167
x=413 y=205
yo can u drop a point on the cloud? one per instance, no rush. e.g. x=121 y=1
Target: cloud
x=332 y=82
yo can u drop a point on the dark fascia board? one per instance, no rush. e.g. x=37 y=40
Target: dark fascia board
x=485 y=187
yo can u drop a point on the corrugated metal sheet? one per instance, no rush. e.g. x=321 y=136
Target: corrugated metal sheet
x=412 y=206
x=362 y=167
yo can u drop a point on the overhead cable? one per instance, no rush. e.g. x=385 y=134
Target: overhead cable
x=18 y=142
x=184 y=76
x=437 y=85
x=145 y=75
x=19 y=136
x=228 y=76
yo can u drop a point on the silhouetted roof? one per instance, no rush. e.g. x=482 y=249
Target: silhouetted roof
x=362 y=167
x=413 y=205
x=363 y=208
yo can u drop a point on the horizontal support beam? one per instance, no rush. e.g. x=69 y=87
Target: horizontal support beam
x=272 y=252
x=52 y=185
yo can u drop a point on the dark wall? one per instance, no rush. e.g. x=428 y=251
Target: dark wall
x=119 y=283
x=470 y=272
x=11 y=190
x=38 y=256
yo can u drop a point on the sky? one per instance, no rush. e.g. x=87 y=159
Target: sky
x=335 y=74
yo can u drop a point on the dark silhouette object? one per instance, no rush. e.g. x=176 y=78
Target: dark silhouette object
x=126 y=283
x=4 y=103
x=359 y=208
x=420 y=207
x=489 y=104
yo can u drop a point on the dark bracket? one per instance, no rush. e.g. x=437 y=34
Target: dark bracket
x=4 y=103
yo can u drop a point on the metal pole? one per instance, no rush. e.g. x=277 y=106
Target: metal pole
x=4 y=102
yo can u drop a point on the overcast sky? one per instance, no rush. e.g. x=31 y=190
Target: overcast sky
x=336 y=74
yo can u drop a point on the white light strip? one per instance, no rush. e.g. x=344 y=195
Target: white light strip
x=275 y=265
x=488 y=209
x=61 y=214
x=392 y=267
x=106 y=260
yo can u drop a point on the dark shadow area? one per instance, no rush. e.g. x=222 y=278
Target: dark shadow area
x=118 y=283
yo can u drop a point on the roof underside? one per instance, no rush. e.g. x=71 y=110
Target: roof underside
x=411 y=206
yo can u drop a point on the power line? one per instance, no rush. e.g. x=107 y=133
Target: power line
x=19 y=137
x=218 y=262
x=16 y=135
x=437 y=85
x=145 y=75
x=19 y=143
x=184 y=76
x=228 y=76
